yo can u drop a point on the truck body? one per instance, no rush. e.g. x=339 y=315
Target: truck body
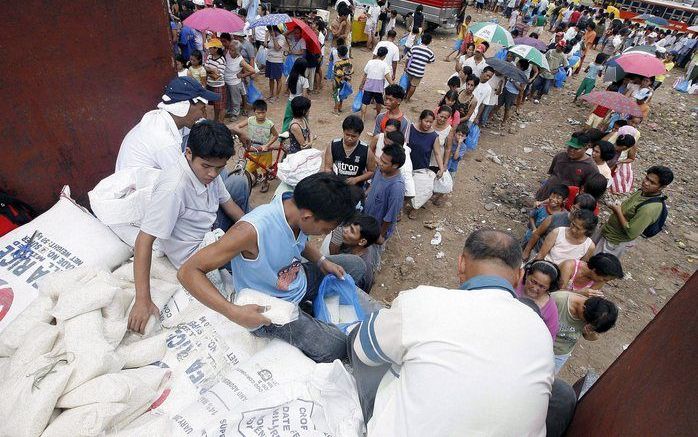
x=437 y=13
x=292 y=6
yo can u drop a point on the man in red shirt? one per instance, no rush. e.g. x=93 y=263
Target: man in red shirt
x=575 y=15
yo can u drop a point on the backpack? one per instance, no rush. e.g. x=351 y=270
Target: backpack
x=657 y=226
x=13 y=213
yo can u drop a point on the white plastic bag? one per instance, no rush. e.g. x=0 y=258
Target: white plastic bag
x=64 y=237
x=121 y=200
x=444 y=184
x=406 y=172
x=279 y=311
x=424 y=186
x=297 y=166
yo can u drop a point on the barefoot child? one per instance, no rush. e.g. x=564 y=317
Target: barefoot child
x=343 y=70
x=552 y=205
x=458 y=148
x=593 y=70
x=260 y=135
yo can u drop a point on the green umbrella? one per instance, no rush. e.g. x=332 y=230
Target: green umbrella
x=531 y=54
x=491 y=32
x=366 y=2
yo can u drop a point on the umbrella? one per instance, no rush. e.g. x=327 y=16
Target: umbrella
x=613 y=10
x=531 y=54
x=307 y=34
x=507 y=69
x=215 y=20
x=644 y=50
x=533 y=42
x=492 y=32
x=652 y=19
x=614 y=101
x=270 y=20
x=641 y=64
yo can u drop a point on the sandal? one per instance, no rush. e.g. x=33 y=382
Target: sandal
x=254 y=179
x=264 y=187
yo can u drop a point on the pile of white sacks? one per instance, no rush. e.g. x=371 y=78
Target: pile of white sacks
x=69 y=367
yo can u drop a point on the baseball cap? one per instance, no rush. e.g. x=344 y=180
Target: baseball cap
x=182 y=89
x=652 y=35
x=239 y=33
x=574 y=143
x=642 y=93
x=199 y=2
x=481 y=48
x=214 y=42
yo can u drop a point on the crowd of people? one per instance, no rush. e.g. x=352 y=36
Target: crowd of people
x=556 y=271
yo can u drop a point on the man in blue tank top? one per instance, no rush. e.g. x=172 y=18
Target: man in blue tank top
x=265 y=249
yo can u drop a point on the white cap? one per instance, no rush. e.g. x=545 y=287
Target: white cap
x=199 y=2
x=652 y=35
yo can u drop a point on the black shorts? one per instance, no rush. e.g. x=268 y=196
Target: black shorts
x=370 y=96
x=507 y=98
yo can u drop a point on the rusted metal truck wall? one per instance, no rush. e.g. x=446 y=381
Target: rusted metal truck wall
x=652 y=388
x=76 y=76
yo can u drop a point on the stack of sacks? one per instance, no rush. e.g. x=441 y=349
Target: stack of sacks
x=64 y=237
x=67 y=358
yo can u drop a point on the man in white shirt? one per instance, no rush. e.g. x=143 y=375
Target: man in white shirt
x=473 y=361
x=183 y=208
x=393 y=56
x=482 y=92
x=156 y=141
x=476 y=62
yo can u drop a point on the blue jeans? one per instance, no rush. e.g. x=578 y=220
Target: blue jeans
x=239 y=188
x=560 y=361
x=485 y=116
x=322 y=342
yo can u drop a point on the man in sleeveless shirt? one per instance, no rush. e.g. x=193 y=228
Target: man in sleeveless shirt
x=266 y=249
x=348 y=156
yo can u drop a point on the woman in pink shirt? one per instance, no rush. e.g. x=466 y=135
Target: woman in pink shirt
x=540 y=279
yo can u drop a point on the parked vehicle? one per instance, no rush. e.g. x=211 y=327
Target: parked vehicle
x=437 y=13
x=292 y=6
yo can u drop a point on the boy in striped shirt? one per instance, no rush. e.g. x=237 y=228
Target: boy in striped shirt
x=419 y=56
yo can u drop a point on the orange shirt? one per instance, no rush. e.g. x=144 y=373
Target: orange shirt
x=589 y=38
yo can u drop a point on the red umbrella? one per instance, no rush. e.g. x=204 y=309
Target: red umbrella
x=641 y=64
x=311 y=41
x=614 y=101
x=215 y=20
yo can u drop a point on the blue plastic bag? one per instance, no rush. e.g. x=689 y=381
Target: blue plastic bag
x=560 y=77
x=473 y=138
x=345 y=91
x=253 y=93
x=346 y=289
x=681 y=85
x=404 y=81
x=288 y=64
x=329 y=75
x=356 y=106
x=402 y=41
x=501 y=54
x=261 y=57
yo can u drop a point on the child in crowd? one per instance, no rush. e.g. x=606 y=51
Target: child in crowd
x=343 y=70
x=587 y=278
x=453 y=84
x=552 y=205
x=602 y=152
x=571 y=242
x=462 y=32
x=593 y=70
x=196 y=68
x=392 y=23
x=458 y=148
x=181 y=65
x=451 y=100
x=410 y=41
x=215 y=67
x=359 y=237
x=259 y=137
x=386 y=196
x=299 y=130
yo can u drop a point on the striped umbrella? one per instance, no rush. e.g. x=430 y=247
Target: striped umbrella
x=652 y=19
x=491 y=32
x=643 y=50
x=533 y=42
x=270 y=20
x=614 y=101
x=531 y=54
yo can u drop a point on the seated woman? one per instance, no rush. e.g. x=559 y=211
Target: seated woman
x=571 y=242
x=588 y=278
x=540 y=279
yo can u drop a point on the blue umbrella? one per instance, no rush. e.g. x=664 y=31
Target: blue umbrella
x=270 y=20
x=652 y=19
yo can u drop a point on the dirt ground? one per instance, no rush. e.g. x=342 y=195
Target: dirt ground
x=490 y=193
